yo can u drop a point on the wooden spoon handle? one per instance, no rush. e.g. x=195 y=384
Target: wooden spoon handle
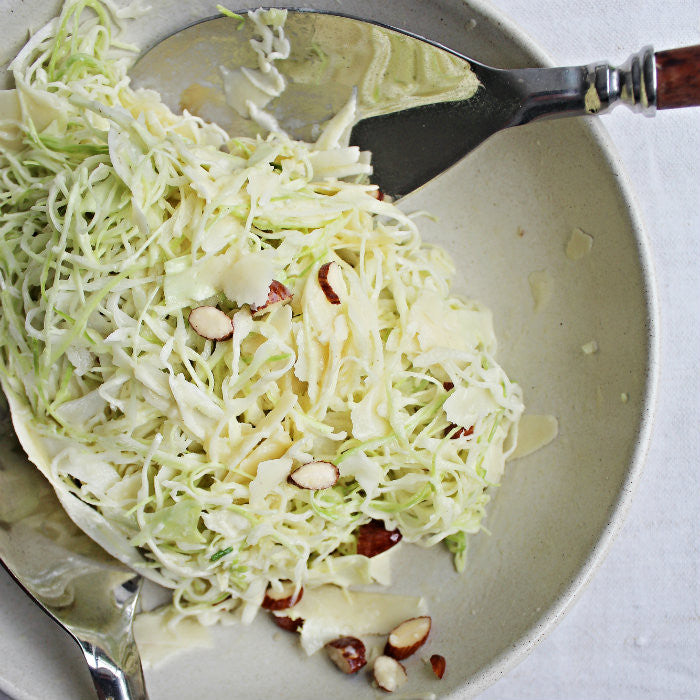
x=678 y=77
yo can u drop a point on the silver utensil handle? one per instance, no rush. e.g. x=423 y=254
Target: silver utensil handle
x=112 y=681
x=581 y=90
x=633 y=83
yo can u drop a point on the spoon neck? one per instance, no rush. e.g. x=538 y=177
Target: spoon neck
x=114 y=680
x=587 y=90
x=633 y=83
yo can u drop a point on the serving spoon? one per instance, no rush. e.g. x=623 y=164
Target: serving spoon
x=80 y=586
x=418 y=111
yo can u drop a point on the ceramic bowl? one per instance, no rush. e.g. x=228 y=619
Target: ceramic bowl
x=506 y=211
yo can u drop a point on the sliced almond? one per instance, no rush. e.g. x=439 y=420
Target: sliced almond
x=389 y=673
x=347 y=653
x=437 y=661
x=315 y=475
x=458 y=431
x=409 y=636
x=378 y=194
x=286 y=597
x=278 y=295
x=373 y=538
x=211 y=323
x=330 y=278
x=286 y=623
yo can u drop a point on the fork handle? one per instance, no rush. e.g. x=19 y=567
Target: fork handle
x=678 y=77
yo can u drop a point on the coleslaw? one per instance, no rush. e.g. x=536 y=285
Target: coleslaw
x=117 y=219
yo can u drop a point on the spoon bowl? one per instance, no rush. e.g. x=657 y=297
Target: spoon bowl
x=90 y=594
x=421 y=107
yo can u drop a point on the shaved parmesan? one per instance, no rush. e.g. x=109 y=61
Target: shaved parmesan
x=329 y=612
x=248 y=280
x=467 y=405
x=534 y=432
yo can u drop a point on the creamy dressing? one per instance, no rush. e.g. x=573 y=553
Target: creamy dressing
x=250 y=90
x=160 y=638
x=541 y=288
x=385 y=70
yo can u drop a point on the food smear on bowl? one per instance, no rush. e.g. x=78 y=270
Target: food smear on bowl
x=227 y=354
x=579 y=244
x=541 y=288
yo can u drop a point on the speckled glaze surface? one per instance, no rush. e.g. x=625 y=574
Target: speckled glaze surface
x=506 y=211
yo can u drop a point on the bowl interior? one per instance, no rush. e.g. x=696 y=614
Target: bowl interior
x=504 y=212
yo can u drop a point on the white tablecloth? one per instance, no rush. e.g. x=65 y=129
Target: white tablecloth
x=635 y=632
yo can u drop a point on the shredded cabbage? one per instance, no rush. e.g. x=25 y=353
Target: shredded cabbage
x=117 y=218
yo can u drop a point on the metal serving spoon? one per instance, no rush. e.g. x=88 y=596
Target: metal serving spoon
x=417 y=114
x=90 y=594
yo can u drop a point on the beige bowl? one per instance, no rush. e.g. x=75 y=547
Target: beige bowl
x=506 y=211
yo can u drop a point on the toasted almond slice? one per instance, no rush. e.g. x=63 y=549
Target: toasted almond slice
x=286 y=623
x=378 y=194
x=282 y=599
x=331 y=280
x=407 y=637
x=211 y=323
x=315 y=475
x=278 y=295
x=437 y=661
x=459 y=431
x=389 y=673
x=373 y=538
x=347 y=653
